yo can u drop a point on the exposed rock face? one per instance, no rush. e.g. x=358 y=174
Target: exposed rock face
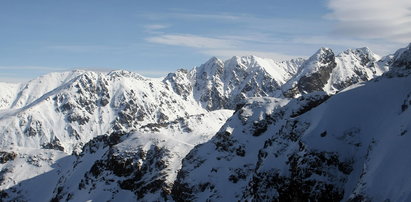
x=324 y=153
x=91 y=104
x=292 y=137
x=363 y=66
x=73 y=107
x=180 y=81
x=402 y=57
x=300 y=185
x=7 y=156
x=324 y=60
x=122 y=166
x=234 y=160
x=141 y=171
x=221 y=84
x=326 y=72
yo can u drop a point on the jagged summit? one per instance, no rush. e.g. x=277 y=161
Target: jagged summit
x=323 y=51
x=325 y=71
x=218 y=84
x=323 y=57
x=402 y=57
x=364 y=53
x=243 y=129
x=79 y=99
x=314 y=147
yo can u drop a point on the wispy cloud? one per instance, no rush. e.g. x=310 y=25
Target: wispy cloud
x=192 y=16
x=83 y=48
x=388 y=20
x=219 y=16
x=243 y=34
x=32 y=68
x=156 y=26
x=328 y=40
x=225 y=46
x=351 y=24
x=193 y=41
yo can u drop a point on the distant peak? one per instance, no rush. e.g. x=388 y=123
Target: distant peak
x=119 y=72
x=364 y=49
x=402 y=51
x=402 y=57
x=321 y=54
x=323 y=51
x=125 y=73
x=244 y=59
x=81 y=71
x=213 y=60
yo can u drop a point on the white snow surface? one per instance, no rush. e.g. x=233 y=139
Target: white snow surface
x=75 y=106
x=188 y=116
x=366 y=126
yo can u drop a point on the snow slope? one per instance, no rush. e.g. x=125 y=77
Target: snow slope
x=176 y=138
x=86 y=106
x=8 y=93
x=120 y=167
x=352 y=146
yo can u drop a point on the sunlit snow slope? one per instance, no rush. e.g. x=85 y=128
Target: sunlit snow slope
x=247 y=128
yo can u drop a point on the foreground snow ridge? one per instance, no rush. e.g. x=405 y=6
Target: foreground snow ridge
x=327 y=128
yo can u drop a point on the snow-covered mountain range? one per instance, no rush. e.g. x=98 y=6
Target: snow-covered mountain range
x=247 y=128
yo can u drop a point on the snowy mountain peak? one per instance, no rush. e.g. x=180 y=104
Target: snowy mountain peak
x=212 y=67
x=125 y=73
x=247 y=63
x=402 y=57
x=213 y=61
x=326 y=72
x=143 y=139
x=313 y=74
x=367 y=51
x=321 y=54
x=364 y=55
x=323 y=50
x=361 y=51
x=220 y=84
x=323 y=57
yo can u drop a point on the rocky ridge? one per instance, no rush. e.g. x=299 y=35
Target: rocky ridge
x=149 y=125
x=315 y=147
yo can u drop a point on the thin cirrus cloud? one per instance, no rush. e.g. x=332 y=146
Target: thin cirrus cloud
x=156 y=26
x=224 y=47
x=32 y=68
x=191 y=16
x=381 y=25
x=388 y=20
x=83 y=48
x=193 y=41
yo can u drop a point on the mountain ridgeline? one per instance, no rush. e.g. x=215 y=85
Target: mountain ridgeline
x=327 y=128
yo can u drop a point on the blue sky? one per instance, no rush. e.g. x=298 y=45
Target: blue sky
x=156 y=37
